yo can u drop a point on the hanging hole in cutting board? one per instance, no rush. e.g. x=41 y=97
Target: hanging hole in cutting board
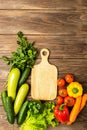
x=44 y=53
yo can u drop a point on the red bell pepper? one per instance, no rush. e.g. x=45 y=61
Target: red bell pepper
x=61 y=113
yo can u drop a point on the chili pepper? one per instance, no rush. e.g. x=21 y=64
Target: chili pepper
x=61 y=113
x=35 y=107
x=75 y=89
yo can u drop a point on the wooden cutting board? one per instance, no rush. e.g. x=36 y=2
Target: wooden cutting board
x=44 y=79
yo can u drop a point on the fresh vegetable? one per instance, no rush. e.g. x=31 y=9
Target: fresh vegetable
x=59 y=100
x=24 y=76
x=8 y=106
x=13 y=79
x=3 y=97
x=84 y=100
x=24 y=57
x=69 y=78
x=21 y=95
x=63 y=92
x=75 y=89
x=35 y=106
x=40 y=121
x=22 y=113
x=60 y=82
x=61 y=113
x=75 y=111
x=36 y=122
x=48 y=113
x=10 y=110
x=69 y=101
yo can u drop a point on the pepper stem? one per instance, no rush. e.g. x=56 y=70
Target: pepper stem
x=75 y=90
x=61 y=107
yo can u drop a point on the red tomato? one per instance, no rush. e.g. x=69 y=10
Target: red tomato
x=61 y=82
x=69 y=78
x=59 y=100
x=63 y=92
x=69 y=101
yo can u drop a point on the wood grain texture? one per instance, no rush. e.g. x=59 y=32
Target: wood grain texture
x=60 y=26
x=37 y=4
x=43 y=23
x=59 y=46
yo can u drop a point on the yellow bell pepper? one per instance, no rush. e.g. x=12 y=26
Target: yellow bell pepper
x=75 y=89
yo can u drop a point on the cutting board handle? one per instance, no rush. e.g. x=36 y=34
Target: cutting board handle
x=44 y=54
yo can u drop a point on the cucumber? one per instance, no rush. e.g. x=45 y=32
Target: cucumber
x=3 y=97
x=10 y=110
x=22 y=113
x=24 y=76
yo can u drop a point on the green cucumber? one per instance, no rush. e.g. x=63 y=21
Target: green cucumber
x=22 y=113
x=10 y=110
x=24 y=76
x=3 y=97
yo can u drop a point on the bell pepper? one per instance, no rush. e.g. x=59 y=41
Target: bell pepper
x=75 y=89
x=35 y=107
x=61 y=113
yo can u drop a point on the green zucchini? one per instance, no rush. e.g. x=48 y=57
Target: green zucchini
x=24 y=76
x=22 y=113
x=3 y=97
x=13 y=79
x=21 y=95
x=10 y=110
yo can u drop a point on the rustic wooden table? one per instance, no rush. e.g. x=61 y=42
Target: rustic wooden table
x=60 y=26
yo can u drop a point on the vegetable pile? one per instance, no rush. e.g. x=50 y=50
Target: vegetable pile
x=35 y=114
x=70 y=100
x=21 y=62
x=24 y=58
x=39 y=116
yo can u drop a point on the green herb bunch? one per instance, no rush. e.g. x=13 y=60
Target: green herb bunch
x=24 y=56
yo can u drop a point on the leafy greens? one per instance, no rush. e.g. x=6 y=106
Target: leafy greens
x=24 y=56
x=42 y=120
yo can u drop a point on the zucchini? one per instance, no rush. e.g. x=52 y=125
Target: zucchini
x=3 y=98
x=10 y=110
x=13 y=79
x=24 y=76
x=21 y=95
x=22 y=113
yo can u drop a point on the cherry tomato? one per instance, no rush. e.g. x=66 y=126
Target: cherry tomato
x=59 y=100
x=61 y=82
x=69 y=101
x=63 y=92
x=69 y=78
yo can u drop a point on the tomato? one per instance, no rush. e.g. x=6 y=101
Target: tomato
x=59 y=100
x=69 y=101
x=69 y=78
x=61 y=82
x=63 y=92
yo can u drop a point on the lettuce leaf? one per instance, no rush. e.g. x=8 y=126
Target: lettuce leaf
x=42 y=120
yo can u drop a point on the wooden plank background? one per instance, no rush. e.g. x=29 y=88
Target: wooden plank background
x=60 y=26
